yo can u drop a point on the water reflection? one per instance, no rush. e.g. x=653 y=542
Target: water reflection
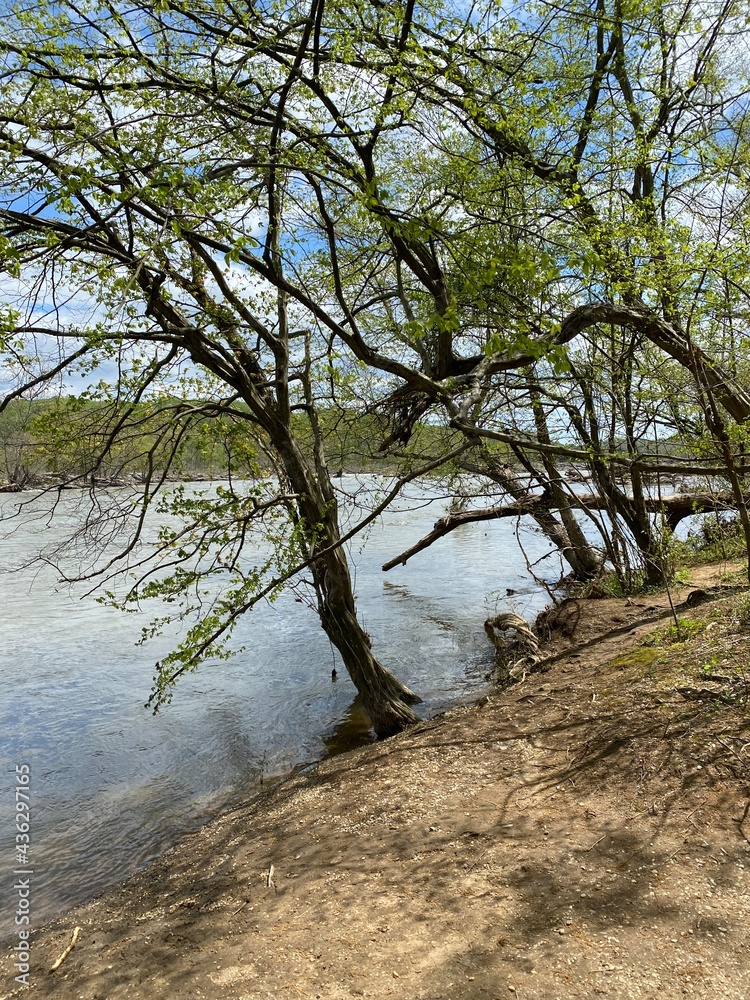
x=351 y=731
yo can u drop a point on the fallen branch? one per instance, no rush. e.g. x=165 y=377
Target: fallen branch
x=67 y=951
x=452 y=521
x=270 y=880
x=675 y=508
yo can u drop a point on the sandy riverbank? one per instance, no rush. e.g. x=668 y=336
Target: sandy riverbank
x=575 y=836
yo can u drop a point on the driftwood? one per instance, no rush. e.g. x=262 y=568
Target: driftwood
x=508 y=620
x=515 y=657
x=675 y=508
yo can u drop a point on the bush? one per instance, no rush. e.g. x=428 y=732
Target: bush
x=718 y=537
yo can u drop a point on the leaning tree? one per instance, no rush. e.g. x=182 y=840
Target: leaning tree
x=149 y=234
x=183 y=186
x=221 y=208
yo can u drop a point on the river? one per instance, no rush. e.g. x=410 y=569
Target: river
x=113 y=785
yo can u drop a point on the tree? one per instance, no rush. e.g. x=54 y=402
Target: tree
x=142 y=163
x=621 y=151
x=160 y=164
x=251 y=207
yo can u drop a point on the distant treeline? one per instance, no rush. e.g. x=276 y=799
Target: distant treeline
x=61 y=439
x=48 y=440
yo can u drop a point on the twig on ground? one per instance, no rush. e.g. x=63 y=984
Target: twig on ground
x=67 y=951
x=735 y=753
x=587 y=849
x=742 y=820
x=675 y=853
x=270 y=880
x=694 y=811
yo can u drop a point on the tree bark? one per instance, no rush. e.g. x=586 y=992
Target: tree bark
x=385 y=699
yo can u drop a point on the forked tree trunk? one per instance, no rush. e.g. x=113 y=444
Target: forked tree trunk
x=584 y=560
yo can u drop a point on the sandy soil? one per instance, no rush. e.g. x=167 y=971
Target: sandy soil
x=578 y=835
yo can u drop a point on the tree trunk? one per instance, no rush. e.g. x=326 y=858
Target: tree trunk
x=583 y=559
x=636 y=517
x=384 y=697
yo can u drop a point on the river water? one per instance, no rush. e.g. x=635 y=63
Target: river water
x=113 y=786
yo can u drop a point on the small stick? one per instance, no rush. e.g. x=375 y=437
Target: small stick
x=67 y=951
x=675 y=853
x=587 y=849
x=269 y=879
x=742 y=821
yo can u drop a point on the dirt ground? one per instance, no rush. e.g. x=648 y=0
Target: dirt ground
x=582 y=834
